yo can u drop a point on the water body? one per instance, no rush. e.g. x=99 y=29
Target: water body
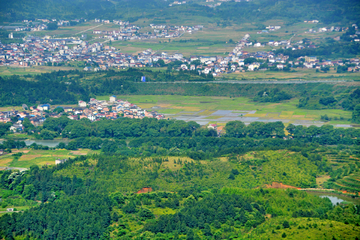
x=336 y=198
x=49 y=143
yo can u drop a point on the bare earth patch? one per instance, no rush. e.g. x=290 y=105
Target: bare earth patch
x=23 y=151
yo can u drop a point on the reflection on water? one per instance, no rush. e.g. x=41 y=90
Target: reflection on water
x=334 y=200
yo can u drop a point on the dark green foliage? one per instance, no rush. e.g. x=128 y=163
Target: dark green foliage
x=4 y=128
x=320 y=99
x=274 y=95
x=82 y=217
x=356 y=114
x=9 y=144
x=52 y=26
x=146 y=214
x=286 y=224
x=255 y=129
x=43 y=184
x=217 y=208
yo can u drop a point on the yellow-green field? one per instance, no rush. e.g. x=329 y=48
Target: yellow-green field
x=7 y=71
x=39 y=157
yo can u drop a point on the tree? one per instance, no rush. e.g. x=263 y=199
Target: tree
x=286 y=224
x=52 y=26
x=207 y=230
x=356 y=114
x=146 y=213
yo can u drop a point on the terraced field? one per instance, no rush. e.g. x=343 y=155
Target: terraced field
x=349 y=183
x=346 y=171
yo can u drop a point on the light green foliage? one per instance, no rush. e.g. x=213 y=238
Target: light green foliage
x=253 y=171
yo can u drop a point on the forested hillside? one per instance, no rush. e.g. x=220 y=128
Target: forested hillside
x=189 y=199
x=158 y=10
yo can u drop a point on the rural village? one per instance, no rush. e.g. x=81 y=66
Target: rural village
x=94 y=110
x=100 y=56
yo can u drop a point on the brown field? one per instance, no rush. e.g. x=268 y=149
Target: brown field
x=29 y=157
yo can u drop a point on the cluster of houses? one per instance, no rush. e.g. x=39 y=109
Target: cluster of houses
x=35 y=115
x=177 y=3
x=112 y=109
x=218 y=2
x=269 y=29
x=98 y=56
x=38 y=25
x=94 y=110
x=34 y=27
x=131 y=32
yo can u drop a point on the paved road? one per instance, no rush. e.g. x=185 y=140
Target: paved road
x=258 y=82
x=89 y=29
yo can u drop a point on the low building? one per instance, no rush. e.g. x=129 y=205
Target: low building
x=82 y=104
x=43 y=107
x=59 y=161
x=113 y=98
x=17 y=127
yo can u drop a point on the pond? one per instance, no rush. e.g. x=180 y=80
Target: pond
x=336 y=198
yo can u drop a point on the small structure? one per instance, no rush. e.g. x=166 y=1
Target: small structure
x=25 y=107
x=17 y=127
x=310 y=59
x=43 y=107
x=212 y=126
x=58 y=161
x=113 y=98
x=10 y=209
x=82 y=104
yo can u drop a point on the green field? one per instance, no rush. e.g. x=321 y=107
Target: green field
x=296 y=74
x=171 y=104
x=196 y=47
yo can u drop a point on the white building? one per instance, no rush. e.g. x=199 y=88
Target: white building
x=113 y=98
x=82 y=104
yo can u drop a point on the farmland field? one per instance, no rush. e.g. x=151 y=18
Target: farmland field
x=204 y=106
x=38 y=157
x=8 y=71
